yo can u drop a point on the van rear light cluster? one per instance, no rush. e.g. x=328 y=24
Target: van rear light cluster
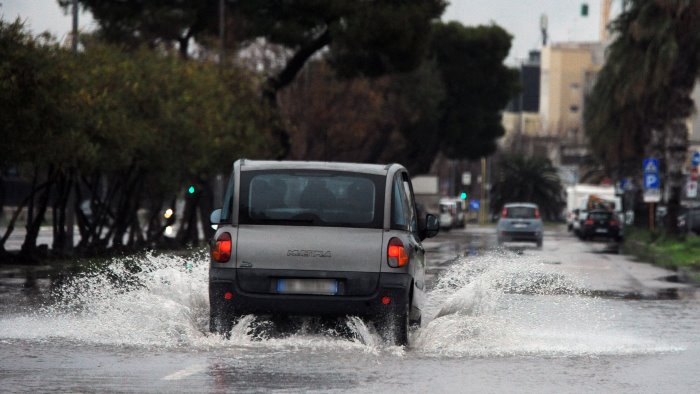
x=221 y=249
x=537 y=213
x=504 y=213
x=396 y=253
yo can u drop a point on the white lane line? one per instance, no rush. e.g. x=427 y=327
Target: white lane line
x=183 y=373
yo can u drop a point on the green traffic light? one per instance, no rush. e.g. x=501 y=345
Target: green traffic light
x=191 y=190
x=463 y=195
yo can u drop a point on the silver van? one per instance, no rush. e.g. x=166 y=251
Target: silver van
x=520 y=222
x=319 y=239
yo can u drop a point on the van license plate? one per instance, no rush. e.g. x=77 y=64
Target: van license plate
x=307 y=286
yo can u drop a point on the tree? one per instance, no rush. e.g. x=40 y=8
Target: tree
x=522 y=179
x=388 y=119
x=36 y=132
x=125 y=130
x=135 y=23
x=451 y=102
x=640 y=102
x=159 y=124
x=478 y=86
x=363 y=38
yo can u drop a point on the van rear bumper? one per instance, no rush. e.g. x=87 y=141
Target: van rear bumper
x=396 y=286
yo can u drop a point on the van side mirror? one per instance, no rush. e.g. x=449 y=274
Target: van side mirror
x=215 y=217
x=432 y=226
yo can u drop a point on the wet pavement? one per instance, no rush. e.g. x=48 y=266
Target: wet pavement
x=570 y=317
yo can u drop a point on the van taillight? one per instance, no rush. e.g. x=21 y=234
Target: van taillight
x=537 y=213
x=504 y=213
x=396 y=253
x=221 y=249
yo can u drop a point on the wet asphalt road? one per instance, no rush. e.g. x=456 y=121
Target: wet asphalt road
x=571 y=317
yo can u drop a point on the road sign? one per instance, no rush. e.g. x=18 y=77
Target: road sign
x=625 y=184
x=691 y=189
x=696 y=159
x=466 y=178
x=652 y=181
x=651 y=165
x=652 y=195
x=474 y=204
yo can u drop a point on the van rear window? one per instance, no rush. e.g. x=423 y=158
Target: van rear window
x=312 y=198
x=520 y=213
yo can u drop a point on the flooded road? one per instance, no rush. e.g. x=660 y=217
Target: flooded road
x=571 y=317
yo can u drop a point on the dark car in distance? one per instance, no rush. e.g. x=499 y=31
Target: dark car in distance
x=601 y=224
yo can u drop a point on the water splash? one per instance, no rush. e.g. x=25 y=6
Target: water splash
x=503 y=304
x=497 y=304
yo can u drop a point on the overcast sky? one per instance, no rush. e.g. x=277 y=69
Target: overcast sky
x=519 y=17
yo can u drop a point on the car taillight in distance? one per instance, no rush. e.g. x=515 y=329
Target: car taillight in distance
x=589 y=221
x=396 y=253
x=537 y=213
x=614 y=222
x=504 y=213
x=221 y=249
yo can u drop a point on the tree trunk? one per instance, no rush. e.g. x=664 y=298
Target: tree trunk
x=188 y=233
x=60 y=230
x=676 y=150
x=206 y=206
x=128 y=205
x=15 y=215
x=29 y=247
x=277 y=82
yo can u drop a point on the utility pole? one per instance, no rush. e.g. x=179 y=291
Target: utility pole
x=75 y=27
x=70 y=202
x=482 y=206
x=222 y=33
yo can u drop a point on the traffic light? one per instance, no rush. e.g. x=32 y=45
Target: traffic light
x=584 y=9
x=191 y=189
x=463 y=195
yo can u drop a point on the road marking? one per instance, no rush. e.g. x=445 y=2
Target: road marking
x=183 y=373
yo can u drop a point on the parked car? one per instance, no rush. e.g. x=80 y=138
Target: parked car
x=319 y=239
x=689 y=220
x=520 y=222
x=577 y=223
x=601 y=224
x=461 y=210
x=447 y=214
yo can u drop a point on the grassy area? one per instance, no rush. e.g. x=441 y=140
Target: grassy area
x=663 y=250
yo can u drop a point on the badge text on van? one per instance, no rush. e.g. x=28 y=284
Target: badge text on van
x=309 y=253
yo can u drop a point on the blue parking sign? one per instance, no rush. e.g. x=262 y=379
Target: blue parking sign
x=651 y=165
x=696 y=159
x=651 y=181
x=474 y=204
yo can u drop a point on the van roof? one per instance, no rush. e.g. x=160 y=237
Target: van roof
x=378 y=169
x=520 y=204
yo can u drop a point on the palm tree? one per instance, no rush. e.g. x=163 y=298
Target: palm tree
x=640 y=102
x=522 y=179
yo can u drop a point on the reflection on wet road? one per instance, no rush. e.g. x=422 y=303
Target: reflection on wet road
x=561 y=318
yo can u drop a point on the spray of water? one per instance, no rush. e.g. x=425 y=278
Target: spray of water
x=503 y=304
x=492 y=305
